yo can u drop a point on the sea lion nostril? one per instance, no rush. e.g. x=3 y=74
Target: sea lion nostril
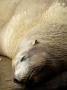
x=23 y=81
x=15 y=80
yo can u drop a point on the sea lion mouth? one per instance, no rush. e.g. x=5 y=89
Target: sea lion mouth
x=32 y=77
x=27 y=82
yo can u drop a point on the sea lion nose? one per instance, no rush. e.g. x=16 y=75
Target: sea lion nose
x=15 y=80
x=23 y=81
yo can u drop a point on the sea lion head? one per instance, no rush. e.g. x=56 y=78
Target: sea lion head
x=31 y=65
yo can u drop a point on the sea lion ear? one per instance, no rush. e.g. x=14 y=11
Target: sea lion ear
x=35 y=42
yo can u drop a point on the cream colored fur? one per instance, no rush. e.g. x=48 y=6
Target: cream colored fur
x=24 y=21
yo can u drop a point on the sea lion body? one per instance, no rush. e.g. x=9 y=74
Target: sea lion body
x=37 y=34
x=23 y=20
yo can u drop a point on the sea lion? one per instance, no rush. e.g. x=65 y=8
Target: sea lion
x=35 y=38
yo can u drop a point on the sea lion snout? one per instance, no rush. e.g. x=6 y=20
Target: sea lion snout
x=28 y=65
